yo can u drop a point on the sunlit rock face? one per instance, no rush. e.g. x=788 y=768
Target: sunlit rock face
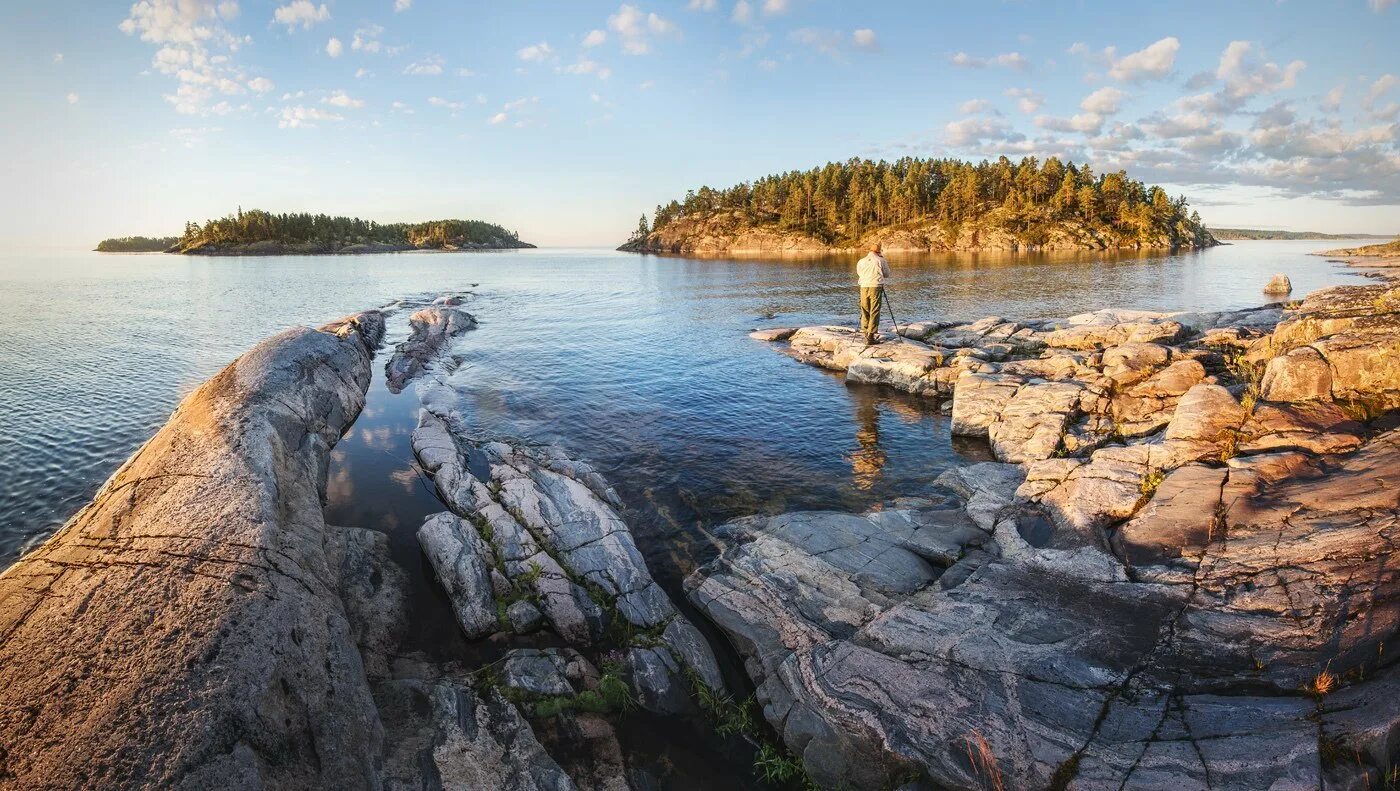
x=186 y=629
x=1188 y=581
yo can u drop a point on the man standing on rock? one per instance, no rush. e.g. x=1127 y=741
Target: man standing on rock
x=873 y=271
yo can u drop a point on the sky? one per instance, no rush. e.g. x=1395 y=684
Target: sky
x=565 y=121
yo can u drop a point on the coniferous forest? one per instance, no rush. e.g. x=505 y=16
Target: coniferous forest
x=842 y=203
x=260 y=232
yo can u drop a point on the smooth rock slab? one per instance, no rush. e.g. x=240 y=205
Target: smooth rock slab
x=431 y=329
x=185 y=629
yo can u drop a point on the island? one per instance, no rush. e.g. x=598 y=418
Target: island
x=1256 y=234
x=1389 y=249
x=925 y=205
x=258 y=232
x=136 y=244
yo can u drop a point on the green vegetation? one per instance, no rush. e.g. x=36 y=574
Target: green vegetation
x=314 y=233
x=839 y=204
x=1244 y=234
x=137 y=244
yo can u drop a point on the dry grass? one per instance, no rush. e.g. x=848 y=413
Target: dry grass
x=984 y=763
x=1324 y=683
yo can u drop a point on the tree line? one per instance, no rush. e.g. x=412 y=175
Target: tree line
x=841 y=201
x=255 y=225
x=137 y=244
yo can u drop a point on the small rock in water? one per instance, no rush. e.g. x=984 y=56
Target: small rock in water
x=1279 y=285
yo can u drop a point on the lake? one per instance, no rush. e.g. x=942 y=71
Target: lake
x=639 y=363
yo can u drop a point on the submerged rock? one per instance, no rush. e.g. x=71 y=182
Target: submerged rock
x=431 y=329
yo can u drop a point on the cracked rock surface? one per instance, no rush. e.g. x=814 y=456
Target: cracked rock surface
x=186 y=628
x=431 y=329
x=1186 y=578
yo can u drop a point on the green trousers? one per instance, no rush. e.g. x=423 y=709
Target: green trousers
x=872 y=301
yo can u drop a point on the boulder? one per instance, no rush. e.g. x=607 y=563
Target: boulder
x=444 y=735
x=462 y=563
x=1279 y=284
x=186 y=628
x=774 y=334
x=431 y=328
x=1300 y=375
x=1312 y=426
x=536 y=672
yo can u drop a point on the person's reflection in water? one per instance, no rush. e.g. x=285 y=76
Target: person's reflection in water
x=868 y=461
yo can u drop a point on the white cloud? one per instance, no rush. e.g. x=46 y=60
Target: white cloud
x=864 y=38
x=594 y=38
x=1011 y=60
x=362 y=72
x=1027 y=100
x=400 y=107
x=774 y=7
x=974 y=106
x=58 y=57
x=366 y=39
x=1087 y=123
x=701 y=5
x=975 y=131
x=465 y=73
x=301 y=12
x=1382 y=86
x=72 y=98
x=1246 y=75
x=1153 y=62
x=742 y=13
x=334 y=47
x=586 y=66
x=438 y=101
x=300 y=116
x=1104 y=101
x=343 y=100
x=402 y=5
x=260 y=85
x=228 y=9
x=1380 y=5
x=428 y=67
x=535 y=53
x=188 y=32
x=1332 y=102
x=636 y=27
x=497 y=118
x=768 y=64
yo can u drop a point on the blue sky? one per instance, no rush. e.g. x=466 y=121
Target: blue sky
x=565 y=120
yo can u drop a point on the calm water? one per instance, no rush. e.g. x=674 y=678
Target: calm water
x=640 y=364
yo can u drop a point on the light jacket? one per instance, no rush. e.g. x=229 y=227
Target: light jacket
x=873 y=271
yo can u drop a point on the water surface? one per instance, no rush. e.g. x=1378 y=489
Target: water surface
x=638 y=363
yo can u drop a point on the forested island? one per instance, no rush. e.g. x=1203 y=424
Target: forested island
x=1247 y=234
x=257 y=232
x=137 y=244
x=926 y=204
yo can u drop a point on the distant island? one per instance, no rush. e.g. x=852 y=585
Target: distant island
x=257 y=232
x=137 y=244
x=922 y=205
x=1243 y=234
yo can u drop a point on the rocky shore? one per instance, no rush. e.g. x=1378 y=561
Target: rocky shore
x=1179 y=573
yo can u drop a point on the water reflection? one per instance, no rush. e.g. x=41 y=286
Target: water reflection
x=868 y=461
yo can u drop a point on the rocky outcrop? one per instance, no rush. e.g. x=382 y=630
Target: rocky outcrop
x=431 y=328
x=1186 y=580
x=186 y=629
x=1279 y=284
x=534 y=525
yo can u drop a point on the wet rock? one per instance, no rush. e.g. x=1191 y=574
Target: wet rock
x=536 y=672
x=1279 y=284
x=374 y=590
x=431 y=328
x=185 y=629
x=523 y=616
x=442 y=735
x=656 y=681
x=462 y=562
x=553 y=520
x=774 y=334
